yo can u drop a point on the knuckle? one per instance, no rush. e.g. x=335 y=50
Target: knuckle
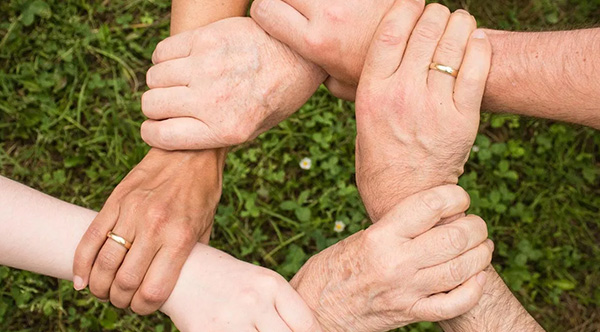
x=450 y=48
x=94 y=233
x=128 y=281
x=479 y=225
x=433 y=201
x=271 y=281
x=317 y=42
x=249 y=297
x=336 y=14
x=108 y=261
x=456 y=238
x=456 y=272
x=153 y=294
x=392 y=33
x=427 y=31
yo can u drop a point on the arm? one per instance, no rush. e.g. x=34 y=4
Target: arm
x=43 y=233
x=547 y=75
x=426 y=123
x=166 y=204
x=552 y=75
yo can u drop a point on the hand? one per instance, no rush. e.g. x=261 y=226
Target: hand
x=217 y=292
x=335 y=34
x=416 y=126
x=398 y=271
x=222 y=85
x=164 y=206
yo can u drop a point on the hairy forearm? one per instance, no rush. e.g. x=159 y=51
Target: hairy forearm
x=552 y=75
x=497 y=311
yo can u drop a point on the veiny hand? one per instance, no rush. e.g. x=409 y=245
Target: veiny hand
x=222 y=85
x=398 y=271
x=217 y=292
x=416 y=126
x=164 y=206
x=335 y=34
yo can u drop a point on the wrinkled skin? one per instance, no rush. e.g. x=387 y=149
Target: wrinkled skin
x=164 y=206
x=222 y=85
x=335 y=34
x=398 y=271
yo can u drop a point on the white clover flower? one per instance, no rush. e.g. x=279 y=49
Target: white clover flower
x=475 y=148
x=339 y=226
x=306 y=163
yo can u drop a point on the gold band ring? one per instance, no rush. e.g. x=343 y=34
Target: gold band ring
x=126 y=244
x=444 y=69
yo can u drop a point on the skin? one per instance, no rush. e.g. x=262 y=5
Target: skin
x=436 y=99
x=214 y=292
x=429 y=143
x=164 y=206
x=550 y=75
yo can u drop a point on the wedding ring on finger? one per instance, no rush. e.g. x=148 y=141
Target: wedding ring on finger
x=126 y=244
x=444 y=69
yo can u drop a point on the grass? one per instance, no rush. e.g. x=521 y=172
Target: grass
x=71 y=76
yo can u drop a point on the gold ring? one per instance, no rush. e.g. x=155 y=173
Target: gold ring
x=444 y=69
x=126 y=244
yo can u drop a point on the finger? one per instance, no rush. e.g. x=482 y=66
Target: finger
x=108 y=262
x=340 y=89
x=179 y=134
x=294 y=311
x=170 y=74
x=174 y=47
x=91 y=243
x=451 y=50
x=271 y=322
x=390 y=39
x=160 y=278
x=447 y=276
x=164 y=103
x=470 y=84
x=423 y=42
x=418 y=213
x=444 y=243
x=453 y=304
x=282 y=21
x=130 y=275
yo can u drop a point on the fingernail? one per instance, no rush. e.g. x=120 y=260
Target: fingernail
x=481 y=278
x=78 y=283
x=479 y=34
x=103 y=301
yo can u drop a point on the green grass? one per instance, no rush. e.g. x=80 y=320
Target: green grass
x=71 y=76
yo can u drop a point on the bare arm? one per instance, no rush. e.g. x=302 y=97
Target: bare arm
x=178 y=192
x=41 y=234
x=552 y=75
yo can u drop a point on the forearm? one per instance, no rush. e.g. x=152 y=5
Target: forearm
x=552 y=75
x=192 y=14
x=42 y=233
x=188 y=15
x=498 y=311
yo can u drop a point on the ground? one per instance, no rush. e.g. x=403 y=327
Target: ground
x=71 y=76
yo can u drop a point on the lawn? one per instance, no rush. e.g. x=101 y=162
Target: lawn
x=71 y=77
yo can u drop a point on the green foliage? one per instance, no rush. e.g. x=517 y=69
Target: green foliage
x=71 y=75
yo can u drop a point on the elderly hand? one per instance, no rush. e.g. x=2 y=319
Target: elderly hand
x=217 y=292
x=416 y=126
x=164 y=206
x=402 y=269
x=222 y=85
x=334 y=34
